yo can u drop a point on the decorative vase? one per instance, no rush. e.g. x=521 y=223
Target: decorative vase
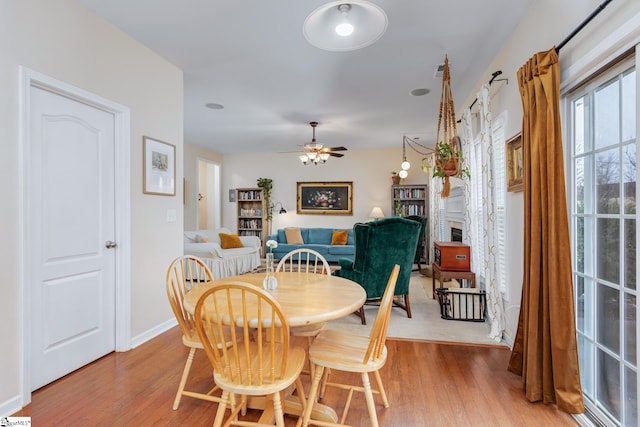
x=395 y=179
x=270 y=282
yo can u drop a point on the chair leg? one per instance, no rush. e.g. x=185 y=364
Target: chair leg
x=385 y=401
x=185 y=375
x=323 y=383
x=407 y=305
x=371 y=406
x=360 y=313
x=222 y=407
x=312 y=395
x=309 y=341
x=277 y=409
x=404 y=303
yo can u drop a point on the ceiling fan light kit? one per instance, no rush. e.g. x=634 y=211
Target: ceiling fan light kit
x=317 y=153
x=345 y=25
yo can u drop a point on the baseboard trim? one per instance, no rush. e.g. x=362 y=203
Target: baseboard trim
x=153 y=332
x=10 y=406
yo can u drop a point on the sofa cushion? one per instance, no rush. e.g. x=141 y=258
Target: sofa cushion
x=294 y=236
x=320 y=236
x=339 y=237
x=230 y=241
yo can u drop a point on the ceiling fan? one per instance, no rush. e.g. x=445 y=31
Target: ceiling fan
x=315 y=153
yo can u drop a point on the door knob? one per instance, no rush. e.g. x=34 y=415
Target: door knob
x=110 y=245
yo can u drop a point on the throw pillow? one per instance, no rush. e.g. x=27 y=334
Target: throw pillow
x=339 y=237
x=230 y=241
x=201 y=239
x=294 y=236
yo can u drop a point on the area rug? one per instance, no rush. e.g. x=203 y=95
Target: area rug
x=425 y=324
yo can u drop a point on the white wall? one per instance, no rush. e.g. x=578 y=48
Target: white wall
x=65 y=41
x=369 y=170
x=547 y=23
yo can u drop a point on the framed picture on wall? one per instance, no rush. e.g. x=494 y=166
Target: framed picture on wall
x=159 y=167
x=325 y=198
x=515 y=164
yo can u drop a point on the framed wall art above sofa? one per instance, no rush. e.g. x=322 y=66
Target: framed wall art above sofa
x=325 y=198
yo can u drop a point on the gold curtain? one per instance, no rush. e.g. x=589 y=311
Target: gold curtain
x=545 y=351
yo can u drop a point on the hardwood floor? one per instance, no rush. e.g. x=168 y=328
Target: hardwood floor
x=428 y=384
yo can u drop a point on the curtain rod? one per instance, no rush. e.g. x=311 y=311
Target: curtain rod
x=494 y=78
x=560 y=45
x=583 y=24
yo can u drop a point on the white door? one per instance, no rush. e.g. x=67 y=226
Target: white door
x=71 y=215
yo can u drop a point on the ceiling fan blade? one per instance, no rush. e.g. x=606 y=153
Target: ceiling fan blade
x=336 y=154
x=337 y=148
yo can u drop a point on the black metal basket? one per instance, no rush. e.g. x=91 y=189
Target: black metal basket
x=462 y=304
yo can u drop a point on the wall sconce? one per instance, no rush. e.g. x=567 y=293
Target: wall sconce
x=272 y=207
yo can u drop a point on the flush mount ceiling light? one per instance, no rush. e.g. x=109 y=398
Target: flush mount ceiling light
x=345 y=25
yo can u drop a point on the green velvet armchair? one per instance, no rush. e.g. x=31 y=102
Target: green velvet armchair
x=420 y=247
x=379 y=246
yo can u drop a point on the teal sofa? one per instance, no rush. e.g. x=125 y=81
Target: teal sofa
x=318 y=239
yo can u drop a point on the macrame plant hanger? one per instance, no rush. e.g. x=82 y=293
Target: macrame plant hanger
x=447 y=118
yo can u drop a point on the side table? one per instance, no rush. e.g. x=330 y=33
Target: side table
x=450 y=274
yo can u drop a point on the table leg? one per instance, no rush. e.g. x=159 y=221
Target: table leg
x=291 y=406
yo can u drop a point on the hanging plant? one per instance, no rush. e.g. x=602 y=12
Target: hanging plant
x=448 y=160
x=266 y=184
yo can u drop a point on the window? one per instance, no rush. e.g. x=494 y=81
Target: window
x=500 y=178
x=479 y=192
x=602 y=116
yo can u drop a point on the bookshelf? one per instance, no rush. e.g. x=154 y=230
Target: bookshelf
x=409 y=200
x=251 y=221
x=412 y=200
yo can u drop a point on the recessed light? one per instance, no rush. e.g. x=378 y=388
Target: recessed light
x=214 y=106
x=420 y=92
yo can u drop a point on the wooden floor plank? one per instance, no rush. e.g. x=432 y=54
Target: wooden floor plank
x=428 y=384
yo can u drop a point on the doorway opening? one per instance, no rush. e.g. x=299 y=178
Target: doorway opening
x=209 y=216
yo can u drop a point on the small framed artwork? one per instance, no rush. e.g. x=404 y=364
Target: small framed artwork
x=325 y=198
x=515 y=164
x=159 y=167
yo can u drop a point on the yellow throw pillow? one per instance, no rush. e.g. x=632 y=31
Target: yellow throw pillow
x=294 y=237
x=230 y=241
x=339 y=237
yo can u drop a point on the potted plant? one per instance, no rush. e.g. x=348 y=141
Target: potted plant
x=395 y=178
x=266 y=184
x=449 y=162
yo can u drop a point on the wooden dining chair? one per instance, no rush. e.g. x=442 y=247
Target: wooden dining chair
x=304 y=260
x=352 y=352
x=185 y=273
x=260 y=360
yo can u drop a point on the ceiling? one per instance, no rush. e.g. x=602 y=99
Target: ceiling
x=251 y=57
